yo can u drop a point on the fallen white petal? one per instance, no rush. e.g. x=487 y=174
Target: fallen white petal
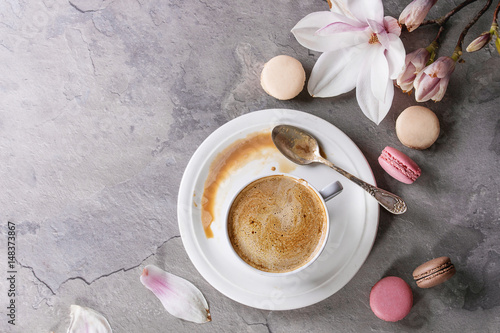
x=335 y=73
x=179 y=296
x=86 y=320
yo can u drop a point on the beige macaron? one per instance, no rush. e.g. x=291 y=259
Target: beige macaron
x=283 y=77
x=417 y=127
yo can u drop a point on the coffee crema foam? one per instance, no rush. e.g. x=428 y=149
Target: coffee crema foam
x=277 y=224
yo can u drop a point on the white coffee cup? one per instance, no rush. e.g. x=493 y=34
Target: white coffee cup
x=321 y=197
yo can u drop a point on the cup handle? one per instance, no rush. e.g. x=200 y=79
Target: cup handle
x=331 y=190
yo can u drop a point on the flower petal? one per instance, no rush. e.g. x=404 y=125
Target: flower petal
x=305 y=30
x=379 y=73
x=395 y=55
x=406 y=78
x=375 y=26
x=419 y=58
x=348 y=20
x=372 y=107
x=425 y=87
x=179 y=296
x=367 y=9
x=338 y=27
x=309 y=33
x=379 y=29
x=392 y=25
x=335 y=72
x=340 y=7
x=443 y=67
x=443 y=85
x=86 y=320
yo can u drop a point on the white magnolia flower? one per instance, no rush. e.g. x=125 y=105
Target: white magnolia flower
x=361 y=49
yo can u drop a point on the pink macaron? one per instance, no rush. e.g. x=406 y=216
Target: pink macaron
x=391 y=299
x=398 y=165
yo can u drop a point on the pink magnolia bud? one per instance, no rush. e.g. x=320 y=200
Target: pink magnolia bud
x=414 y=14
x=414 y=63
x=480 y=42
x=431 y=83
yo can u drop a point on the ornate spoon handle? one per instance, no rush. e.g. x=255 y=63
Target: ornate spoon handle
x=388 y=200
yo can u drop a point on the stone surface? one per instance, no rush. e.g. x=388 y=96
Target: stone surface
x=104 y=102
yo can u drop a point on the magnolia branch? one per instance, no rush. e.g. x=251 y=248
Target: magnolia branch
x=495 y=14
x=443 y=19
x=458 y=49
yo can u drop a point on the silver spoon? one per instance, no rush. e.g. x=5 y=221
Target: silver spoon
x=301 y=148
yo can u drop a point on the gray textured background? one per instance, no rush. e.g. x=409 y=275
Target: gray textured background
x=102 y=103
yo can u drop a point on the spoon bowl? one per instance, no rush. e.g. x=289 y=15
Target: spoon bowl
x=302 y=148
x=297 y=145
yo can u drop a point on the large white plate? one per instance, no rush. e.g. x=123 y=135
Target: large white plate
x=353 y=215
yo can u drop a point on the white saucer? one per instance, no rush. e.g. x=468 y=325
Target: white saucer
x=354 y=215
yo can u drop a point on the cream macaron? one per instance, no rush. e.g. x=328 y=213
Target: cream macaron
x=283 y=77
x=417 y=127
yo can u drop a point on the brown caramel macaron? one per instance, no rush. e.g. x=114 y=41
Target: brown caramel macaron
x=434 y=272
x=283 y=77
x=417 y=127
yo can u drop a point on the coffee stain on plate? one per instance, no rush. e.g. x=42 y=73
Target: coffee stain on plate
x=255 y=146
